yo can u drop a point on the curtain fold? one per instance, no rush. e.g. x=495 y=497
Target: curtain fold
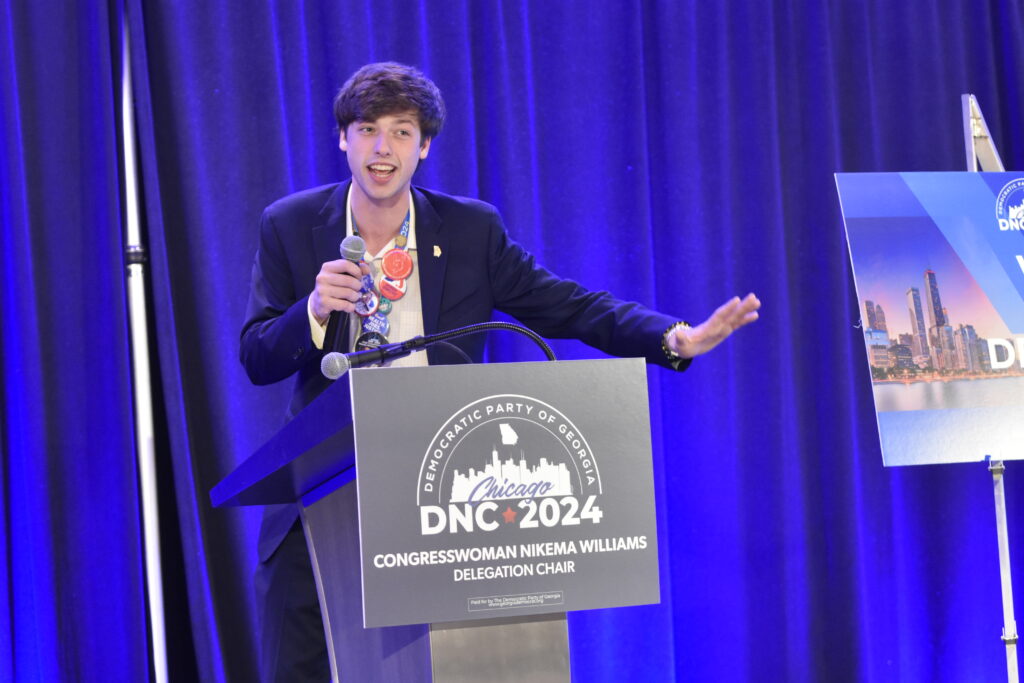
x=73 y=603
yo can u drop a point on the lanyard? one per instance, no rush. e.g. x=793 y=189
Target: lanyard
x=377 y=298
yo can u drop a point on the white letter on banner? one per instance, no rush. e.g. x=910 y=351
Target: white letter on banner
x=481 y=520
x=1020 y=350
x=997 y=364
x=426 y=513
x=1020 y=262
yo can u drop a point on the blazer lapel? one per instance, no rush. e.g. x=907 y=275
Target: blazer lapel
x=328 y=235
x=431 y=259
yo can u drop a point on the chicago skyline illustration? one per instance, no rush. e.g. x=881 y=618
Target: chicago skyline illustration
x=932 y=340
x=508 y=474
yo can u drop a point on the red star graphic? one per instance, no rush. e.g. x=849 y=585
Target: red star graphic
x=509 y=514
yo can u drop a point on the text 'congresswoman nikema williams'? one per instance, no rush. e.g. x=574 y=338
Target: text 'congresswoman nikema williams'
x=512 y=489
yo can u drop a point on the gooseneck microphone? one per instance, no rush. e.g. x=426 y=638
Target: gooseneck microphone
x=334 y=365
x=336 y=337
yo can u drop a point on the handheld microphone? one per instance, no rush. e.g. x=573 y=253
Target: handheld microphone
x=334 y=365
x=335 y=338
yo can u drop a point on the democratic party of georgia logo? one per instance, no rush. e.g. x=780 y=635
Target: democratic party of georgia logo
x=1010 y=206
x=507 y=461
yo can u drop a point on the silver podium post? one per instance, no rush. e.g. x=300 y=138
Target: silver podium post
x=465 y=652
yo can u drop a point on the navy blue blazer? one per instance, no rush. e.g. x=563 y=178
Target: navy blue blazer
x=468 y=268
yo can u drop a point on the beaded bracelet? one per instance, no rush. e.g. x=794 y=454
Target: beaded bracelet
x=672 y=355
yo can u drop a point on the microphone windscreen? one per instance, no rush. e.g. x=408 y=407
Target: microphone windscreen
x=333 y=365
x=352 y=248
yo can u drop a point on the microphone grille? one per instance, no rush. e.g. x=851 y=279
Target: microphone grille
x=352 y=248
x=333 y=365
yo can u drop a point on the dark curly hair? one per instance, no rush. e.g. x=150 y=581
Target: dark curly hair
x=389 y=88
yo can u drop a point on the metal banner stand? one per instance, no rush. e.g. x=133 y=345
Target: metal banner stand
x=981 y=148
x=1009 y=625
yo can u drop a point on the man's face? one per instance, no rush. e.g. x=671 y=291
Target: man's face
x=383 y=155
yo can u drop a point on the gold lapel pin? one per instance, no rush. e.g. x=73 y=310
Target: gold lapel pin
x=437 y=251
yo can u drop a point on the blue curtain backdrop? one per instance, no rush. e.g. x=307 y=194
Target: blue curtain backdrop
x=73 y=604
x=675 y=153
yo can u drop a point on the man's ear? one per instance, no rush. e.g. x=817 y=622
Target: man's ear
x=342 y=142
x=425 y=148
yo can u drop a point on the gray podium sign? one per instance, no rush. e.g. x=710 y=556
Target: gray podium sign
x=504 y=490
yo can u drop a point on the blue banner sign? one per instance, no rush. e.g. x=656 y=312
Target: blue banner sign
x=938 y=261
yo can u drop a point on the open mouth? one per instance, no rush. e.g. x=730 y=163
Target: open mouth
x=381 y=171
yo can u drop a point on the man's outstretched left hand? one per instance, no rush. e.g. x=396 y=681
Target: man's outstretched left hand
x=688 y=342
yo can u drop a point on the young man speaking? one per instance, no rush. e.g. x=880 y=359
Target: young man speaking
x=437 y=262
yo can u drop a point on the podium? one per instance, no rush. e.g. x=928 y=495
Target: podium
x=491 y=500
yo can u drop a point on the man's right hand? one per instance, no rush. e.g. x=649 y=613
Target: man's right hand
x=337 y=288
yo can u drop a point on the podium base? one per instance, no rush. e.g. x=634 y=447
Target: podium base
x=532 y=649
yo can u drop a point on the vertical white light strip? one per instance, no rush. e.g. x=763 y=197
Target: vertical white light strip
x=135 y=254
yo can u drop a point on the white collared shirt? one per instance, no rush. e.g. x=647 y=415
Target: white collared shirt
x=406 y=316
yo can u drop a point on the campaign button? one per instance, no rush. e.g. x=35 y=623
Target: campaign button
x=378 y=322
x=393 y=289
x=396 y=264
x=367 y=304
x=370 y=340
x=385 y=305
